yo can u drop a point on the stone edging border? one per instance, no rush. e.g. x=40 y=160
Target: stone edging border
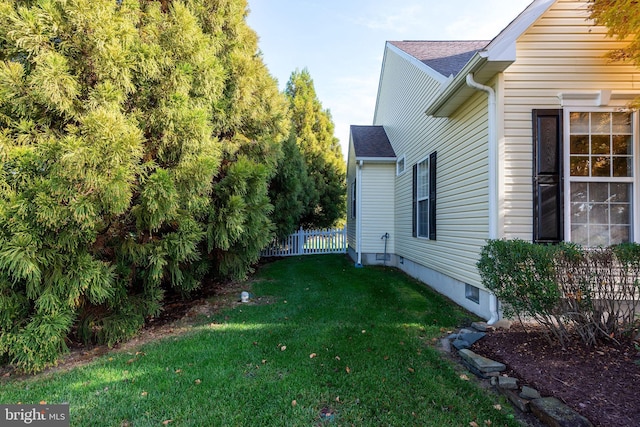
x=549 y=410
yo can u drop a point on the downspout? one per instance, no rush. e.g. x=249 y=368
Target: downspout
x=359 y=213
x=492 y=116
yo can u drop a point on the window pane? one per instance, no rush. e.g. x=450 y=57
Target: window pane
x=579 y=144
x=423 y=218
x=620 y=214
x=579 y=166
x=579 y=123
x=600 y=144
x=599 y=214
x=620 y=192
x=598 y=235
x=600 y=166
x=622 y=166
x=621 y=123
x=423 y=179
x=598 y=192
x=579 y=213
x=601 y=123
x=579 y=192
x=620 y=234
x=622 y=144
x=580 y=235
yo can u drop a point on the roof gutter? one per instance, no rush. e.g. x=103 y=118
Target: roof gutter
x=492 y=115
x=377 y=159
x=493 y=59
x=451 y=87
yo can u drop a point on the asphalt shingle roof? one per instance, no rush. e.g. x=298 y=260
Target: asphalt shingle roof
x=446 y=57
x=371 y=141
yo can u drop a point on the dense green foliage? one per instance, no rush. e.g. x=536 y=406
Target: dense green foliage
x=590 y=293
x=137 y=140
x=622 y=18
x=325 y=192
x=321 y=343
x=521 y=274
x=288 y=189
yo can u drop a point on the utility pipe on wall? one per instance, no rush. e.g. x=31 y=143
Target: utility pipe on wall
x=492 y=116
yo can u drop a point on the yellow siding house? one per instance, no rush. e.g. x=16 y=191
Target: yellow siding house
x=528 y=136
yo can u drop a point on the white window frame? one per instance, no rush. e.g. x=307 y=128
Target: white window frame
x=401 y=161
x=420 y=233
x=353 y=199
x=634 y=233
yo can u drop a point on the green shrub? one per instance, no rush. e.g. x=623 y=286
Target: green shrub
x=522 y=276
x=571 y=291
x=130 y=133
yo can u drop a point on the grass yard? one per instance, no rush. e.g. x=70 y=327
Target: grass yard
x=327 y=344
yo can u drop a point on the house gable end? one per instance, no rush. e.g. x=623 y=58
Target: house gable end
x=495 y=58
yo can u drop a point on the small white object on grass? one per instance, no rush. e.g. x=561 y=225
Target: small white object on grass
x=244 y=296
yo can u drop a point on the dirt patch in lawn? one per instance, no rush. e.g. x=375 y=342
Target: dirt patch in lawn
x=600 y=383
x=178 y=316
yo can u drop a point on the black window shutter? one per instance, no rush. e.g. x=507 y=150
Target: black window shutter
x=414 y=210
x=547 y=176
x=432 y=195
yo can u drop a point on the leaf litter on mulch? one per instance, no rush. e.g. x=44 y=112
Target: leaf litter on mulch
x=600 y=383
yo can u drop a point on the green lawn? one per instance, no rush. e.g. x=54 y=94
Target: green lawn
x=334 y=345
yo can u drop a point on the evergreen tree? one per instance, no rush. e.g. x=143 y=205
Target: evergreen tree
x=137 y=138
x=288 y=190
x=251 y=119
x=321 y=151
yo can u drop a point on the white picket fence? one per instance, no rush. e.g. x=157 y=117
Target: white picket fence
x=308 y=242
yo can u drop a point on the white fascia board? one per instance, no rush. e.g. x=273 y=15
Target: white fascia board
x=377 y=159
x=384 y=60
x=503 y=46
x=493 y=59
x=455 y=85
x=416 y=62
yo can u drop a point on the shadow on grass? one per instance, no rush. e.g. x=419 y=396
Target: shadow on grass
x=336 y=344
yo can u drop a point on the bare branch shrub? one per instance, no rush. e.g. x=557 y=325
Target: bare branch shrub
x=571 y=291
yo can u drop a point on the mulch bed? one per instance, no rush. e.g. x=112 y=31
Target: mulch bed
x=602 y=384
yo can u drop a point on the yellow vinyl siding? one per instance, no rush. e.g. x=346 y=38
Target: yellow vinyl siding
x=561 y=52
x=377 y=206
x=460 y=141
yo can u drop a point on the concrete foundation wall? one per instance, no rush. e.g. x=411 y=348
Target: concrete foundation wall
x=441 y=283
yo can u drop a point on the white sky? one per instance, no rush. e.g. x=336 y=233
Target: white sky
x=341 y=42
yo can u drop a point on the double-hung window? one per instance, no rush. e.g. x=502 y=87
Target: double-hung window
x=601 y=176
x=424 y=197
x=353 y=199
x=422 y=211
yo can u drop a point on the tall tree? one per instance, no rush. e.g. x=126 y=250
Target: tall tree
x=321 y=151
x=289 y=189
x=622 y=18
x=137 y=138
x=251 y=119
